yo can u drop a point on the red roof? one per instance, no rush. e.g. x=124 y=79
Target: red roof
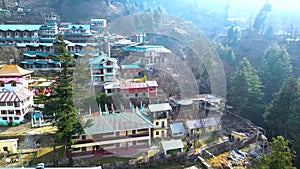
x=133 y=85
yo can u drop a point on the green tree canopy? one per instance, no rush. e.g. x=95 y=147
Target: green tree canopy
x=282 y=115
x=274 y=70
x=280 y=156
x=61 y=106
x=245 y=92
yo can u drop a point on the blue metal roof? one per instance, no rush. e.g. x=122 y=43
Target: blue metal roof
x=28 y=62
x=100 y=59
x=41 y=62
x=79 y=27
x=177 y=128
x=54 y=62
x=20 y=27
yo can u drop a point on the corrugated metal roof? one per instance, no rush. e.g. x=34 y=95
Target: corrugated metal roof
x=117 y=122
x=20 y=27
x=79 y=27
x=177 y=128
x=133 y=85
x=130 y=66
x=152 y=83
x=13 y=70
x=17 y=95
x=172 y=144
x=159 y=107
x=200 y=123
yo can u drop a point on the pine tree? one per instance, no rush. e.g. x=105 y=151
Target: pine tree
x=274 y=70
x=245 y=92
x=280 y=156
x=282 y=115
x=61 y=106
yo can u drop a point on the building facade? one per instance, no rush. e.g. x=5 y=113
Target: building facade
x=15 y=98
x=159 y=114
x=103 y=69
x=113 y=134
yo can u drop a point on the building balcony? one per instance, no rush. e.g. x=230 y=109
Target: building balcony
x=121 y=137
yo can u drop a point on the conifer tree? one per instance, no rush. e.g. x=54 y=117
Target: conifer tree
x=60 y=105
x=245 y=92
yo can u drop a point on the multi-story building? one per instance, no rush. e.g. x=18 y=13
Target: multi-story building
x=159 y=114
x=15 y=98
x=79 y=34
x=141 y=89
x=113 y=134
x=103 y=69
x=129 y=71
x=97 y=24
x=149 y=55
x=48 y=32
x=12 y=34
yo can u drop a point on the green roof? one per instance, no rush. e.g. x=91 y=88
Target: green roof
x=41 y=62
x=100 y=59
x=130 y=66
x=117 y=122
x=28 y=62
x=79 y=27
x=20 y=27
x=35 y=53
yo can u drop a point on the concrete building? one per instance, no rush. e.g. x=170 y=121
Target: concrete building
x=113 y=133
x=15 y=98
x=203 y=126
x=9 y=146
x=159 y=114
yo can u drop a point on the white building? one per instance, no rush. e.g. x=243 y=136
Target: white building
x=103 y=69
x=15 y=98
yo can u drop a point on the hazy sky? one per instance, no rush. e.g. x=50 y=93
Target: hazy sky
x=277 y=5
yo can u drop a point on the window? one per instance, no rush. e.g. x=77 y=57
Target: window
x=9 y=103
x=18 y=112
x=5 y=148
x=2 y=104
x=11 y=112
x=16 y=118
x=3 y=112
x=76 y=149
x=17 y=104
x=13 y=83
x=75 y=137
x=83 y=149
x=157 y=133
x=4 y=118
x=157 y=123
x=83 y=137
x=142 y=130
x=1 y=84
x=136 y=95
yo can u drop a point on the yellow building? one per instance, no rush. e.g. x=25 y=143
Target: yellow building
x=159 y=114
x=9 y=146
x=202 y=126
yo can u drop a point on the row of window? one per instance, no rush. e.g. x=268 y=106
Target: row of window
x=17 y=33
x=17 y=112
x=83 y=149
x=15 y=104
x=12 y=83
x=10 y=118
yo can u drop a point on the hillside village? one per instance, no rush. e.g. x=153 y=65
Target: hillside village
x=141 y=123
